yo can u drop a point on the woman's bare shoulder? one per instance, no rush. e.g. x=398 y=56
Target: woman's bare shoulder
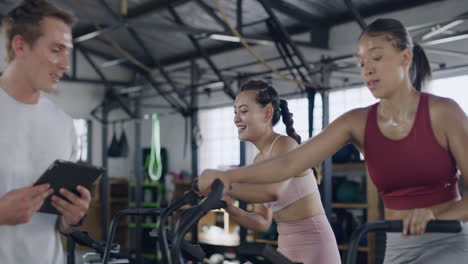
x=284 y=144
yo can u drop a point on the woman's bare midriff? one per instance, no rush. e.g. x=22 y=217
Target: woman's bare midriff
x=391 y=214
x=303 y=208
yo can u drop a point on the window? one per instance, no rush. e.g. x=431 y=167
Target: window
x=82 y=129
x=454 y=88
x=342 y=101
x=318 y=114
x=220 y=147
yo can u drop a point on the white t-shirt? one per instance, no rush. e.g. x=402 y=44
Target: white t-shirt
x=32 y=136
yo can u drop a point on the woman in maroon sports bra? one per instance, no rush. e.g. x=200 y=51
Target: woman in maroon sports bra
x=413 y=144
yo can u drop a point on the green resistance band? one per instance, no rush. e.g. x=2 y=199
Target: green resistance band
x=155 y=150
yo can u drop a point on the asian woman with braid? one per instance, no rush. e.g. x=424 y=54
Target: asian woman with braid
x=304 y=232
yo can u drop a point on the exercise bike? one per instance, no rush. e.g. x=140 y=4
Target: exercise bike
x=174 y=249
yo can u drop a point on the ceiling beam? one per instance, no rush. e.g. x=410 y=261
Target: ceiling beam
x=279 y=6
x=355 y=13
x=211 y=12
x=108 y=85
x=148 y=54
x=379 y=9
x=152 y=7
x=68 y=78
x=297 y=13
x=134 y=13
x=229 y=92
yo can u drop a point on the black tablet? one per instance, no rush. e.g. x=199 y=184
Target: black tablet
x=66 y=174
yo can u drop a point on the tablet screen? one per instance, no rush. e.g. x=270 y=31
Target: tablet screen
x=66 y=174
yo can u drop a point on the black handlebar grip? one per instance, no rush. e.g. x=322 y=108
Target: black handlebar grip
x=434 y=226
x=444 y=226
x=212 y=200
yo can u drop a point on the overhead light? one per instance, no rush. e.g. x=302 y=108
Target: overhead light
x=237 y=39
x=113 y=62
x=132 y=89
x=87 y=36
x=225 y=38
x=214 y=85
x=96 y=33
x=447 y=52
x=442 y=29
x=445 y=40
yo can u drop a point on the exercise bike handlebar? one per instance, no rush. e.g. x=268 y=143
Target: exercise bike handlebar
x=164 y=246
x=134 y=211
x=212 y=201
x=435 y=226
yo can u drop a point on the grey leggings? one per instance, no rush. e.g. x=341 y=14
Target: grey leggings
x=430 y=248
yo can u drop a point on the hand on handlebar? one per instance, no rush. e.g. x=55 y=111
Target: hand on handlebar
x=206 y=179
x=229 y=202
x=415 y=222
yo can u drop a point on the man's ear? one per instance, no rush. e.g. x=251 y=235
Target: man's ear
x=18 y=45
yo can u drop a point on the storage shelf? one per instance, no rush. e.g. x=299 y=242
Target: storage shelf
x=370 y=207
x=267 y=241
x=349 y=166
x=182 y=182
x=147 y=184
x=119 y=200
x=350 y=205
x=346 y=246
x=143 y=225
x=144 y=204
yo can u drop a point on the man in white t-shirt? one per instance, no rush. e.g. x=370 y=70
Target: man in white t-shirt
x=35 y=132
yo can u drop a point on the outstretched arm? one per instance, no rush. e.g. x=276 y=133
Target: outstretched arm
x=257 y=193
x=290 y=164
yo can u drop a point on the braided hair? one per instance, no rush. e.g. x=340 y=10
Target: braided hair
x=265 y=95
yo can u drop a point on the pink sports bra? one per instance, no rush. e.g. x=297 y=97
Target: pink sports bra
x=297 y=188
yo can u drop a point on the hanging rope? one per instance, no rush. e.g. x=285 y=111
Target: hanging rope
x=155 y=150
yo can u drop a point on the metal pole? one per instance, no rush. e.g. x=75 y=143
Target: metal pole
x=242 y=204
x=194 y=76
x=327 y=165
x=103 y=188
x=242 y=162
x=311 y=100
x=138 y=182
